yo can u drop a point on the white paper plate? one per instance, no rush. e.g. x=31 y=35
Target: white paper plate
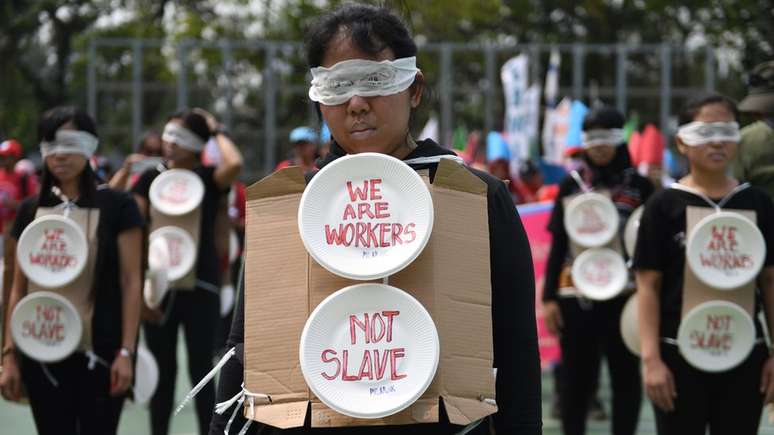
x=716 y=336
x=227 y=294
x=46 y=326
x=52 y=251
x=328 y=329
x=726 y=250
x=146 y=377
x=176 y=192
x=155 y=287
x=591 y=220
x=630 y=329
x=599 y=273
x=386 y=231
x=630 y=230
x=182 y=250
x=233 y=247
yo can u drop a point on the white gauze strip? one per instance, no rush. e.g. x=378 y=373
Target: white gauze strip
x=602 y=136
x=183 y=137
x=70 y=142
x=366 y=78
x=701 y=133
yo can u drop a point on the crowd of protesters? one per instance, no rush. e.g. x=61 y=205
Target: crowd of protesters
x=89 y=386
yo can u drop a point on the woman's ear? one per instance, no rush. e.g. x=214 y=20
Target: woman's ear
x=681 y=146
x=417 y=89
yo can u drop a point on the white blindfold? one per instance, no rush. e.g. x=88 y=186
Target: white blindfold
x=365 y=78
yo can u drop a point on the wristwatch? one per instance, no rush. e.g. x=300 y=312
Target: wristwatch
x=125 y=351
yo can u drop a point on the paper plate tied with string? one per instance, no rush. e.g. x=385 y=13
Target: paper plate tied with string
x=176 y=192
x=181 y=248
x=716 y=336
x=599 y=273
x=726 y=250
x=369 y=350
x=52 y=251
x=146 y=377
x=156 y=278
x=365 y=216
x=46 y=326
x=631 y=229
x=591 y=220
x=630 y=328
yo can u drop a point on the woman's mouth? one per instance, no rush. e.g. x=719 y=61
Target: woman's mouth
x=361 y=132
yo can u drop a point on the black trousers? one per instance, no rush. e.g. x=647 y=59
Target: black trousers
x=68 y=398
x=728 y=402
x=591 y=330
x=198 y=311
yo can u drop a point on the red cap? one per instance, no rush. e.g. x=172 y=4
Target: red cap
x=10 y=148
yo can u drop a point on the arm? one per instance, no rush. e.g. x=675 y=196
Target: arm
x=10 y=379
x=129 y=247
x=230 y=163
x=230 y=157
x=659 y=383
x=766 y=285
x=513 y=320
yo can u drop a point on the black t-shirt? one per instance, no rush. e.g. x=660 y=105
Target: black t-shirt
x=661 y=243
x=118 y=213
x=207 y=266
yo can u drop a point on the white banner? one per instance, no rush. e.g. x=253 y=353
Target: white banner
x=522 y=105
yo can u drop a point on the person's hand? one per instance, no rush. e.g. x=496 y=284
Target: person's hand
x=552 y=317
x=212 y=123
x=10 y=379
x=120 y=375
x=767 y=381
x=660 y=384
x=131 y=159
x=150 y=315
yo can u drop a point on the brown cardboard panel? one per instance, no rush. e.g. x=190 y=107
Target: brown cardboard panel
x=695 y=292
x=464 y=411
x=275 y=297
x=283 y=182
x=421 y=411
x=450 y=278
x=455 y=176
x=281 y=415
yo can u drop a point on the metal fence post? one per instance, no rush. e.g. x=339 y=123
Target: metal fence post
x=709 y=69
x=182 y=74
x=136 y=90
x=269 y=106
x=666 y=87
x=577 y=71
x=228 y=117
x=92 y=80
x=620 y=79
x=446 y=95
x=490 y=66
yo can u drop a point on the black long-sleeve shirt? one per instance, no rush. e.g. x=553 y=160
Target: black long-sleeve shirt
x=513 y=323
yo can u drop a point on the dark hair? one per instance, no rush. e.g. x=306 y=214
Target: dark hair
x=603 y=117
x=194 y=122
x=50 y=122
x=694 y=105
x=371 y=28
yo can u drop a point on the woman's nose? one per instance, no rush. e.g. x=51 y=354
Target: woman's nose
x=358 y=105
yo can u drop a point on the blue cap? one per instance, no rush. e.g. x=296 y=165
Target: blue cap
x=325 y=133
x=496 y=147
x=303 y=134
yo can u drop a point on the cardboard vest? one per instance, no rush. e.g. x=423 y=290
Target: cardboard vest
x=696 y=294
x=607 y=278
x=450 y=278
x=190 y=223
x=78 y=292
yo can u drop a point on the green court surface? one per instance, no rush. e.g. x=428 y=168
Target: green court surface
x=17 y=420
